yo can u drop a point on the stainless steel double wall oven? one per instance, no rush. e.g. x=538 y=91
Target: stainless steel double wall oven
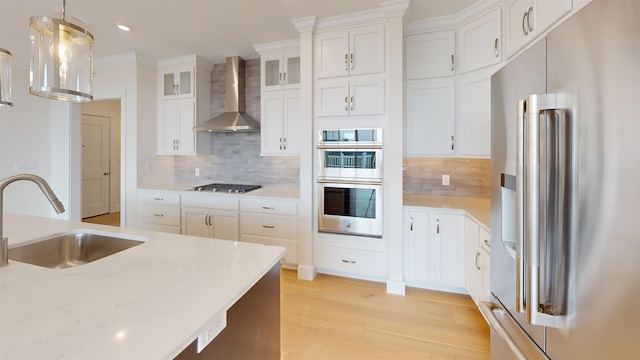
x=350 y=181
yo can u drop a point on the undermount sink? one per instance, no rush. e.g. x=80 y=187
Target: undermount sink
x=73 y=248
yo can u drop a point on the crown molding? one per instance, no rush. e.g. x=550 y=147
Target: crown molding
x=452 y=22
x=305 y=24
x=277 y=46
x=395 y=8
x=375 y=16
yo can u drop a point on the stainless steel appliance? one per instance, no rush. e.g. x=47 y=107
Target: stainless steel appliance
x=350 y=154
x=230 y=188
x=565 y=199
x=350 y=181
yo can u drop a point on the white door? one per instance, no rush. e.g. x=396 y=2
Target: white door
x=95 y=165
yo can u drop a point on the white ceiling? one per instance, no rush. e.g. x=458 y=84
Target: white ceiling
x=213 y=29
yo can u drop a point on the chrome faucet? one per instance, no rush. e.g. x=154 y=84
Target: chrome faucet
x=53 y=199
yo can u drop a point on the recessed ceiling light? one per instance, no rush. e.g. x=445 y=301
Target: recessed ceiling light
x=123 y=27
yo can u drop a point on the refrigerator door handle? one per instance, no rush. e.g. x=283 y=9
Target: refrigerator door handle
x=548 y=187
x=520 y=248
x=487 y=308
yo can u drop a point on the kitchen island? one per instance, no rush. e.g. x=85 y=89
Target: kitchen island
x=147 y=302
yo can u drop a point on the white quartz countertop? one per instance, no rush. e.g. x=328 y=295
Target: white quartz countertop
x=479 y=208
x=147 y=302
x=265 y=191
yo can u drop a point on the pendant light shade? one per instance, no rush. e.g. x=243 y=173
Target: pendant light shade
x=61 y=64
x=5 y=78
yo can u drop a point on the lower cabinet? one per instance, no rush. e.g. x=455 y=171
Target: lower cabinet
x=434 y=249
x=478 y=261
x=271 y=222
x=349 y=261
x=211 y=216
x=159 y=211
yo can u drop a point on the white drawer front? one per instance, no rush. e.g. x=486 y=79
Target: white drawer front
x=269 y=206
x=160 y=214
x=221 y=202
x=355 y=261
x=159 y=198
x=291 y=257
x=269 y=225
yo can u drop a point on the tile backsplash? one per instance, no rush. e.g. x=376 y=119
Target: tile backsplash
x=235 y=157
x=468 y=177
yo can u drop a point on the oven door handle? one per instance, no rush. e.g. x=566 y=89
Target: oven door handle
x=348 y=182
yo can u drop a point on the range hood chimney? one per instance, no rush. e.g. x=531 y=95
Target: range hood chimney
x=234 y=118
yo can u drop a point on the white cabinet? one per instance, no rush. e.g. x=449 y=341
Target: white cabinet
x=430 y=117
x=280 y=125
x=434 y=249
x=526 y=20
x=280 y=98
x=349 y=96
x=159 y=211
x=280 y=71
x=430 y=55
x=176 y=121
x=354 y=51
x=352 y=262
x=211 y=216
x=478 y=261
x=176 y=83
x=479 y=42
x=473 y=130
x=271 y=222
x=184 y=91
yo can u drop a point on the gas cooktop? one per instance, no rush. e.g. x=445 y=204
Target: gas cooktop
x=230 y=188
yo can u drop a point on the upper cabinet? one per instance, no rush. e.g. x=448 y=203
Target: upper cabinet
x=177 y=83
x=355 y=51
x=480 y=42
x=280 y=71
x=525 y=20
x=184 y=98
x=430 y=55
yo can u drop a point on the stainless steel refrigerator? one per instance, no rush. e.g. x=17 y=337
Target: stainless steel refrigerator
x=565 y=192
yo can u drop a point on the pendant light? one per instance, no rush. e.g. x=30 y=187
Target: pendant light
x=5 y=78
x=61 y=64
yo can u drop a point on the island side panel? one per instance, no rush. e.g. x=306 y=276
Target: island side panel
x=253 y=325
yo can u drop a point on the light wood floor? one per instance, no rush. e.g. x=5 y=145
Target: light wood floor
x=340 y=318
x=112 y=219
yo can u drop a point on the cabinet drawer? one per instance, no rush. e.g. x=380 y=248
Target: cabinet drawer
x=355 y=261
x=160 y=214
x=269 y=225
x=268 y=206
x=159 y=198
x=221 y=202
x=291 y=256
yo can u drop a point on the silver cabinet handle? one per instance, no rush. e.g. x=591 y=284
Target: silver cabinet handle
x=476 y=261
x=280 y=143
x=268 y=226
x=452 y=143
x=452 y=62
x=284 y=142
x=346 y=62
x=178 y=144
x=351 y=103
x=411 y=223
x=495 y=47
x=524 y=18
x=158 y=199
x=348 y=261
x=529 y=18
x=437 y=226
x=346 y=103
x=351 y=61
x=268 y=207
x=284 y=78
x=105 y=174
x=158 y=215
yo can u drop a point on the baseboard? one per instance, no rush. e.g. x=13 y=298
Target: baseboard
x=307 y=272
x=395 y=287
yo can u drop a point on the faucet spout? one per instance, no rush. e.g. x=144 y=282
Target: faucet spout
x=46 y=190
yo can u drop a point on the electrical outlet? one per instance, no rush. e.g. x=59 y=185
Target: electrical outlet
x=22 y=166
x=197 y=171
x=213 y=328
x=445 y=180
x=147 y=167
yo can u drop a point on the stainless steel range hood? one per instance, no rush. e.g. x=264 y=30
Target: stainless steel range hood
x=234 y=118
